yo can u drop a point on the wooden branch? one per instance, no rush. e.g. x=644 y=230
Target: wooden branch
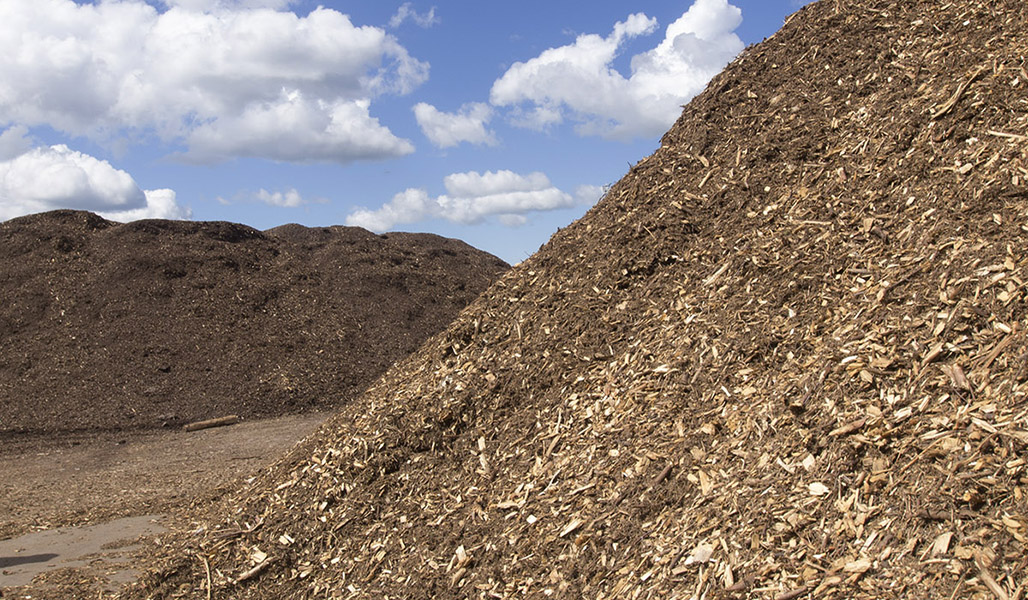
x=219 y=422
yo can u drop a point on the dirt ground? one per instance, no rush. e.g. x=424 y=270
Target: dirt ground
x=114 y=488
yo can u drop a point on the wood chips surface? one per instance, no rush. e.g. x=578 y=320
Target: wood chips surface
x=784 y=357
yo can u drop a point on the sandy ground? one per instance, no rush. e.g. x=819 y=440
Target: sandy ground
x=105 y=547
x=72 y=509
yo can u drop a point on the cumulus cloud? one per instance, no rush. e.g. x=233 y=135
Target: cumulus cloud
x=589 y=194
x=288 y=199
x=409 y=206
x=53 y=177
x=578 y=82
x=446 y=130
x=210 y=5
x=160 y=204
x=296 y=129
x=14 y=141
x=471 y=198
x=192 y=73
x=407 y=12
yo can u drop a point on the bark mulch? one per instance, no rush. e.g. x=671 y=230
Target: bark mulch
x=120 y=327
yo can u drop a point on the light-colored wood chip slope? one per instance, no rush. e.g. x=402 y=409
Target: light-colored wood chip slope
x=784 y=357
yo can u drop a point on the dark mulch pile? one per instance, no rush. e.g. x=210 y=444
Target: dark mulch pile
x=784 y=357
x=108 y=326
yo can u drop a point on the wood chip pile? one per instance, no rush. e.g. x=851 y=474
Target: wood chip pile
x=784 y=357
x=113 y=327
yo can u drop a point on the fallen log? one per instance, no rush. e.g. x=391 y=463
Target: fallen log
x=219 y=422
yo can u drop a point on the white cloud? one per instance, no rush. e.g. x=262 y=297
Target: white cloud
x=295 y=129
x=449 y=129
x=471 y=198
x=409 y=206
x=49 y=178
x=100 y=69
x=160 y=204
x=539 y=118
x=491 y=183
x=589 y=194
x=578 y=82
x=212 y=5
x=406 y=11
x=14 y=142
x=288 y=199
x=513 y=220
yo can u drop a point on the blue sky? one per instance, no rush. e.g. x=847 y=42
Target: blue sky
x=492 y=122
